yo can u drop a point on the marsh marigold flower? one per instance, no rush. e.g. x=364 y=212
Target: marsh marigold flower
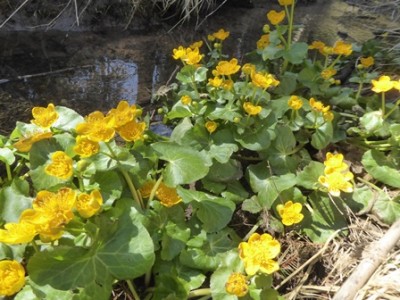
x=258 y=254
x=88 y=205
x=328 y=73
x=221 y=34
x=263 y=41
x=179 y=52
x=17 y=233
x=396 y=85
x=237 y=285
x=132 y=131
x=334 y=163
x=25 y=144
x=44 y=117
x=216 y=81
x=318 y=45
x=97 y=127
x=286 y=2
x=85 y=147
x=295 y=102
x=146 y=189
x=383 y=84
x=167 y=195
x=197 y=44
x=252 y=109
x=192 y=57
x=263 y=80
x=12 y=277
x=186 y=100
x=342 y=48
x=248 y=68
x=211 y=126
x=123 y=114
x=367 y=62
x=276 y=17
x=227 y=67
x=290 y=213
x=60 y=166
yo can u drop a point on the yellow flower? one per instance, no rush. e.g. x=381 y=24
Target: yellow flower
x=44 y=117
x=216 y=81
x=193 y=56
x=252 y=109
x=51 y=211
x=248 y=68
x=396 y=85
x=263 y=41
x=97 y=127
x=342 y=48
x=227 y=67
x=237 y=285
x=258 y=254
x=186 y=100
x=211 y=126
x=123 y=114
x=383 y=84
x=88 y=205
x=290 y=213
x=328 y=73
x=366 y=62
x=221 y=34
x=334 y=163
x=132 y=131
x=25 y=144
x=263 y=80
x=85 y=147
x=276 y=17
x=17 y=233
x=318 y=45
x=197 y=44
x=286 y=2
x=328 y=116
x=12 y=277
x=295 y=102
x=60 y=166
x=146 y=189
x=167 y=195
x=318 y=106
x=336 y=182
x=326 y=51
x=227 y=84
x=179 y=52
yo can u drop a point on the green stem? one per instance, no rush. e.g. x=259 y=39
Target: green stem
x=349 y=115
x=9 y=174
x=383 y=103
x=154 y=190
x=35 y=246
x=392 y=110
x=132 y=289
x=199 y=292
x=291 y=17
x=360 y=86
x=132 y=188
x=370 y=184
x=252 y=230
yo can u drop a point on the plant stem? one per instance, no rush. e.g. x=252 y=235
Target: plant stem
x=392 y=110
x=370 y=184
x=132 y=188
x=9 y=175
x=383 y=103
x=132 y=289
x=252 y=230
x=360 y=86
x=154 y=190
x=199 y=292
x=35 y=246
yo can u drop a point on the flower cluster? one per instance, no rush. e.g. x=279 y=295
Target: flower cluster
x=168 y=196
x=339 y=48
x=258 y=254
x=190 y=55
x=237 y=285
x=319 y=107
x=336 y=176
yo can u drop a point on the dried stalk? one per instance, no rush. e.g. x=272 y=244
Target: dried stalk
x=376 y=255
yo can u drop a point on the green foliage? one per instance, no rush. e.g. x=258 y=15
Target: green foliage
x=159 y=212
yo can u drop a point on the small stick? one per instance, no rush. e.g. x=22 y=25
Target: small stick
x=373 y=258
x=43 y=74
x=14 y=12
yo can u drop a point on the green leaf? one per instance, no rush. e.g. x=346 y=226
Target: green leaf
x=174 y=240
x=225 y=172
x=169 y=287
x=7 y=156
x=205 y=252
x=287 y=85
x=252 y=205
x=14 y=200
x=214 y=212
x=34 y=292
x=181 y=163
x=110 y=185
x=68 y=119
x=322 y=136
x=285 y=140
x=180 y=130
x=256 y=141
x=200 y=74
x=297 y=53
x=387 y=209
x=185 y=74
x=324 y=219
x=308 y=177
x=125 y=251
x=222 y=152
x=273 y=187
x=379 y=166
x=179 y=111
x=372 y=121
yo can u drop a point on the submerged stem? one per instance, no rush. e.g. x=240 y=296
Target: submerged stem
x=132 y=290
